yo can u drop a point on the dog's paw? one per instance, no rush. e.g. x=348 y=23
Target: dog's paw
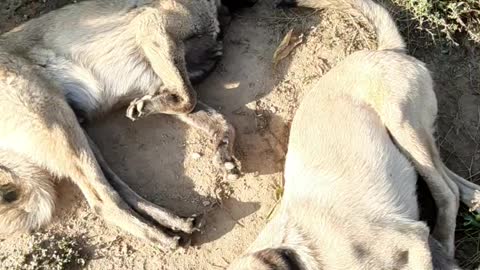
x=136 y=108
x=226 y=162
x=198 y=222
x=231 y=170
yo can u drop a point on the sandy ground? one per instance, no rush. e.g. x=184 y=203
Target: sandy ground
x=170 y=164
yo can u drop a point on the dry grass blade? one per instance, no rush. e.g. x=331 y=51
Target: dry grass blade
x=278 y=196
x=288 y=44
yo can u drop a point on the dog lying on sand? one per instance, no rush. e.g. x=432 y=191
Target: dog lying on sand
x=356 y=144
x=80 y=61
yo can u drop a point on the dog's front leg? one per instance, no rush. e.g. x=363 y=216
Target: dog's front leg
x=214 y=124
x=145 y=208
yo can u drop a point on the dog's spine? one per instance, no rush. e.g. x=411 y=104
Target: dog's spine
x=388 y=36
x=33 y=201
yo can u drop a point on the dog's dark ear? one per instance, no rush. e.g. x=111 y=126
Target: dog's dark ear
x=279 y=259
x=233 y=5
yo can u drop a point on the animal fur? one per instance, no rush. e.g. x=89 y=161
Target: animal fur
x=82 y=61
x=356 y=142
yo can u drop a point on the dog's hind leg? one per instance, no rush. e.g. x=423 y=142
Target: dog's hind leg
x=409 y=113
x=439 y=259
x=37 y=123
x=27 y=194
x=418 y=144
x=214 y=124
x=407 y=106
x=145 y=208
x=469 y=192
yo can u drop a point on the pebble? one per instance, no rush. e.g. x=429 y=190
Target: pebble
x=232 y=177
x=229 y=165
x=196 y=156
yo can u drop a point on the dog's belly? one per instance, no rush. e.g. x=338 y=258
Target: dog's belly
x=93 y=90
x=340 y=155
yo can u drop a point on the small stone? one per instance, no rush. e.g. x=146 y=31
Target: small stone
x=232 y=177
x=206 y=203
x=196 y=156
x=229 y=165
x=232 y=85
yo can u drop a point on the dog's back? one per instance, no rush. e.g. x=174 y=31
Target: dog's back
x=339 y=151
x=350 y=195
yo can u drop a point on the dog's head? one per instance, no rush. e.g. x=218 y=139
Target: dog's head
x=187 y=48
x=204 y=48
x=165 y=29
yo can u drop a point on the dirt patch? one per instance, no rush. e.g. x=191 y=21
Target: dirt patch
x=170 y=164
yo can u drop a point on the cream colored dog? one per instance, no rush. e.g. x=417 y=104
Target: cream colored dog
x=355 y=144
x=84 y=60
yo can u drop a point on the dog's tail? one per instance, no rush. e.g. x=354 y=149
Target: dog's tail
x=388 y=37
x=27 y=196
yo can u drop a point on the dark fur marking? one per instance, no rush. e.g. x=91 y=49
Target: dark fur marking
x=291 y=258
x=8 y=191
x=402 y=259
x=360 y=252
x=279 y=259
x=8 y=194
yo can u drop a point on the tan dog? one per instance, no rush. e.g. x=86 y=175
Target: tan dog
x=94 y=56
x=355 y=144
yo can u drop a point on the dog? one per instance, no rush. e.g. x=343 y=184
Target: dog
x=357 y=141
x=81 y=61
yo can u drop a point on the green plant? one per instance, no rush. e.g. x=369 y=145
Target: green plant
x=445 y=19
x=52 y=252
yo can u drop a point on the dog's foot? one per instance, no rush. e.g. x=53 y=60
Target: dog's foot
x=183 y=237
x=475 y=202
x=198 y=222
x=225 y=160
x=215 y=125
x=166 y=242
x=137 y=106
x=190 y=225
